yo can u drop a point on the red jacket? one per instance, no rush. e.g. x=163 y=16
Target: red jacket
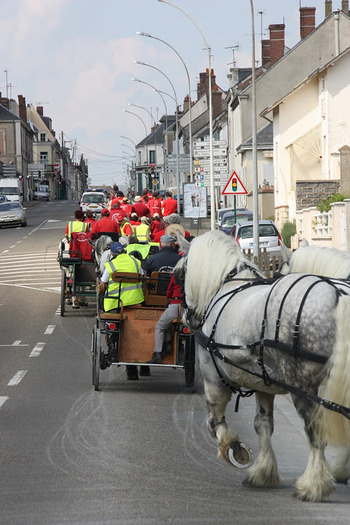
x=155 y=206
x=169 y=206
x=173 y=292
x=105 y=224
x=141 y=209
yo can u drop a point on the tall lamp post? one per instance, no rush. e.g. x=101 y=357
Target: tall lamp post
x=177 y=130
x=150 y=182
x=189 y=94
x=144 y=125
x=212 y=188
x=254 y=146
x=166 y=123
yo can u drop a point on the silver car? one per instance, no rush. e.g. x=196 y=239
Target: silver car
x=12 y=213
x=269 y=237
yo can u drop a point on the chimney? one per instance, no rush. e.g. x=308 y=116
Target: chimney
x=276 y=42
x=186 y=104
x=345 y=7
x=265 y=52
x=40 y=110
x=202 y=86
x=327 y=8
x=307 y=20
x=22 y=108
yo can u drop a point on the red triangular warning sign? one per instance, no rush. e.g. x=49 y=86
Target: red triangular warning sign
x=234 y=186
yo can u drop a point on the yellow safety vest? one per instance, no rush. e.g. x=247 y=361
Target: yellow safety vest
x=122 y=228
x=143 y=249
x=130 y=292
x=77 y=227
x=141 y=232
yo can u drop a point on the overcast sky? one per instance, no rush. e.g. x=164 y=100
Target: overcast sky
x=76 y=59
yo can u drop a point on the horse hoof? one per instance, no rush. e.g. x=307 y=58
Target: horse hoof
x=239 y=455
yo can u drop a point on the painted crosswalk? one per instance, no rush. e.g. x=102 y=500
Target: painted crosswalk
x=38 y=270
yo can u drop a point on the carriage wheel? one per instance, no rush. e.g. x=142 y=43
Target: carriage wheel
x=96 y=359
x=93 y=353
x=63 y=291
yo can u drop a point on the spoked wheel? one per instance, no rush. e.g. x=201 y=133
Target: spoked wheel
x=96 y=358
x=63 y=291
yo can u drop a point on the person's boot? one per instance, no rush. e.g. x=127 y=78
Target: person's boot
x=145 y=371
x=131 y=373
x=156 y=358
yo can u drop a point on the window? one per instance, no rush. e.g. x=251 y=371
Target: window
x=42 y=137
x=152 y=157
x=44 y=159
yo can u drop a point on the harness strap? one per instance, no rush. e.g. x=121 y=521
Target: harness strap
x=330 y=405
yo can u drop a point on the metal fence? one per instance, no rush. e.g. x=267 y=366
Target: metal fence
x=268 y=265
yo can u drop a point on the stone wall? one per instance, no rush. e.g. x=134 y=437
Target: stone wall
x=310 y=193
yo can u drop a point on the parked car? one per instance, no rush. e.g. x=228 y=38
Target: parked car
x=221 y=212
x=12 y=213
x=229 y=219
x=269 y=236
x=94 y=201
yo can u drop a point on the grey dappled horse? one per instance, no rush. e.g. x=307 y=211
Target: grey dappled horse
x=289 y=336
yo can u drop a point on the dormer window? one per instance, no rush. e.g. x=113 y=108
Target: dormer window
x=42 y=137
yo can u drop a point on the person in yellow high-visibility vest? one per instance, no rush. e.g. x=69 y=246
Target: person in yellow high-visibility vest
x=128 y=293
x=78 y=225
x=143 y=231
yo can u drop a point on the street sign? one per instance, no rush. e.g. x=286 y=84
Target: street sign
x=234 y=186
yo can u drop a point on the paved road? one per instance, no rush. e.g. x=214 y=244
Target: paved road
x=133 y=453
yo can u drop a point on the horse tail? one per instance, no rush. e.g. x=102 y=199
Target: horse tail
x=333 y=427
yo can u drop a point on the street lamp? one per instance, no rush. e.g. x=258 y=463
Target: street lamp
x=189 y=93
x=127 y=138
x=177 y=130
x=166 y=123
x=150 y=182
x=212 y=189
x=143 y=122
x=126 y=146
x=254 y=146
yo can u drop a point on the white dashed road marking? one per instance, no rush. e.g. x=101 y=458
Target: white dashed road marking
x=17 y=378
x=49 y=329
x=2 y=400
x=37 y=350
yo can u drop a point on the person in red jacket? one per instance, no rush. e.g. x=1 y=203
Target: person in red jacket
x=134 y=220
x=141 y=209
x=105 y=224
x=169 y=205
x=164 y=322
x=116 y=213
x=155 y=205
x=90 y=219
x=126 y=206
x=156 y=225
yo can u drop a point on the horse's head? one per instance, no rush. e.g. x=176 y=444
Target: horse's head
x=189 y=316
x=207 y=262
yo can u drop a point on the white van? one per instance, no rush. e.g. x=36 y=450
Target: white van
x=11 y=188
x=94 y=201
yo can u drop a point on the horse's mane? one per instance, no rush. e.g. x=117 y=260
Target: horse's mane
x=320 y=260
x=212 y=256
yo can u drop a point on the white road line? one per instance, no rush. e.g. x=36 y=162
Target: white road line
x=17 y=378
x=49 y=329
x=37 y=350
x=16 y=343
x=2 y=400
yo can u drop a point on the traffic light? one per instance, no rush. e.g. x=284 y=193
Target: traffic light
x=234 y=184
x=152 y=171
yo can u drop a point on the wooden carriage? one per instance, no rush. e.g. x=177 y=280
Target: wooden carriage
x=126 y=337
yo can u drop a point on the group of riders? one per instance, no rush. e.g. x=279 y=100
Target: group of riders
x=142 y=239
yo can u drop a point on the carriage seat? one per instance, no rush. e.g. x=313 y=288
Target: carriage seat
x=156 y=287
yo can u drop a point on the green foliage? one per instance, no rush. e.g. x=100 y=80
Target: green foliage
x=288 y=229
x=325 y=204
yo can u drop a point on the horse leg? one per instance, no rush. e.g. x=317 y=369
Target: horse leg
x=264 y=473
x=230 y=447
x=341 y=469
x=317 y=481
